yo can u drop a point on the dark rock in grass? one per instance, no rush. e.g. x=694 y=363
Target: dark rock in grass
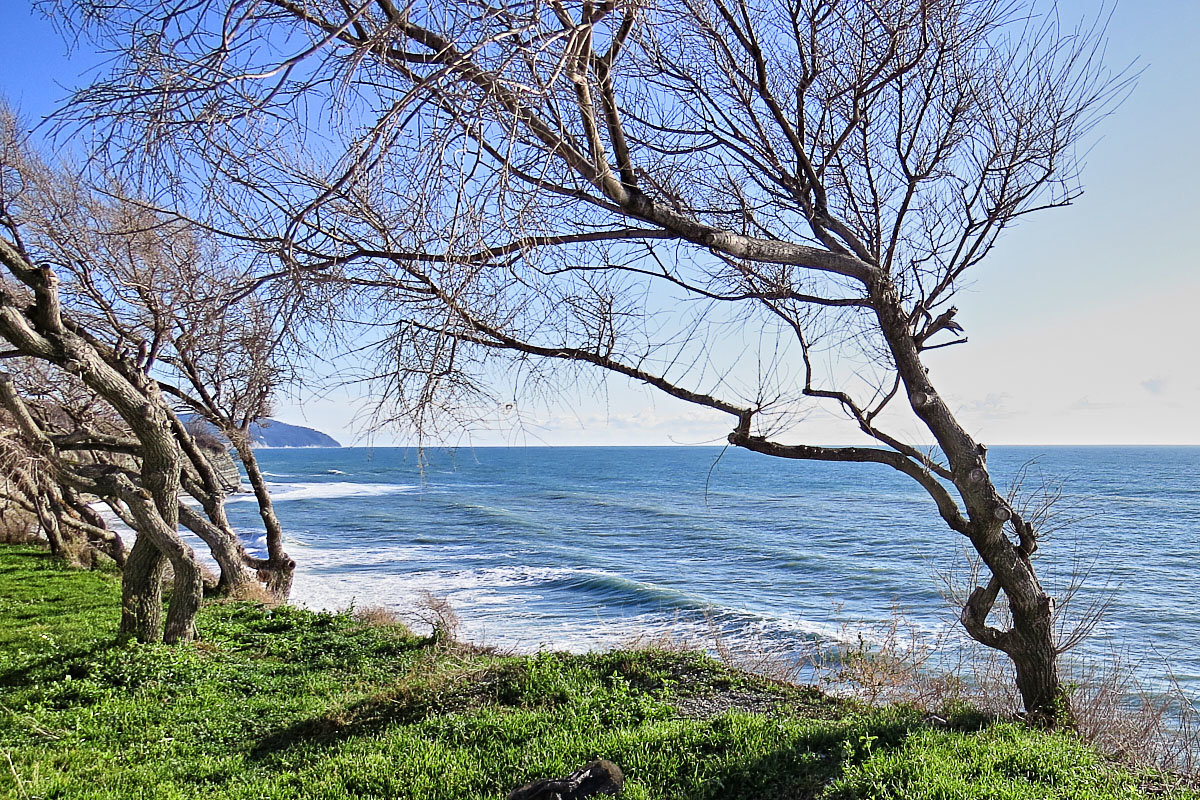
x=598 y=777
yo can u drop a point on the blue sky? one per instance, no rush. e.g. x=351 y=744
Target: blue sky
x=1084 y=326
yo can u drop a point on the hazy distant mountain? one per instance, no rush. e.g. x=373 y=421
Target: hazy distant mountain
x=273 y=433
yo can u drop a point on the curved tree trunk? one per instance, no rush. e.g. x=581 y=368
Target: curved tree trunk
x=1029 y=642
x=49 y=524
x=215 y=530
x=161 y=529
x=44 y=333
x=141 y=588
x=186 y=591
x=281 y=568
x=156 y=507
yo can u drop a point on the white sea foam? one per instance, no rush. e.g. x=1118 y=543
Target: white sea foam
x=494 y=601
x=332 y=490
x=499 y=605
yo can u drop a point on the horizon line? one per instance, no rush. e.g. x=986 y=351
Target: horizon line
x=685 y=446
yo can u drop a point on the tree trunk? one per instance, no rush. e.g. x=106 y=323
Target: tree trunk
x=141 y=589
x=156 y=507
x=235 y=579
x=137 y=399
x=49 y=524
x=227 y=550
x=141 y=592
x=163 y=535
x=282 y=568
x=1032 y=649
x=186 y=591
x=1029 y=642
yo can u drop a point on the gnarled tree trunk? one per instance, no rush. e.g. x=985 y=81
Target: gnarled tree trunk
x=141 y=592
x=1029 y=641
x=43 y=332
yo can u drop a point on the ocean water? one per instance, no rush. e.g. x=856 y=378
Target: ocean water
x=580 y=548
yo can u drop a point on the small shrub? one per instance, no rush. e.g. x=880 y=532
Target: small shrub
x=253 y=592
x=1123 y=718
x=377 y=617
x=437 y=613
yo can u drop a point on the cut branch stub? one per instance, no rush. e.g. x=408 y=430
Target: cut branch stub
x=977 y=475
x=921 y=398
x=1002 y=513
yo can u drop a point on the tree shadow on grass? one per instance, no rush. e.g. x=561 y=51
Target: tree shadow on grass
x=684 y=760
x=55 y=666
x=800 y=766
x=398 y=706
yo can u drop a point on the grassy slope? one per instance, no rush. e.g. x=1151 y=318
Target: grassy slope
x=288 y=703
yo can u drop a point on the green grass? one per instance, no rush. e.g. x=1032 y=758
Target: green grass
x=286 y=703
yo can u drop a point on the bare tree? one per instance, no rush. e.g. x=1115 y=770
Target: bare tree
x=32 y=321
x=115 y=301
x=61 y=414
x=635 y=186
x=229 y=356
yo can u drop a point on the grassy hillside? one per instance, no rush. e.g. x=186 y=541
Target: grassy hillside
x=286 y=703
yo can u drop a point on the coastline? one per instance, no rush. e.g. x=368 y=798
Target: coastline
x=283 y=703
x=534 y=547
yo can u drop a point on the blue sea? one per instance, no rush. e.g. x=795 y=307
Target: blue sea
x=581 y=548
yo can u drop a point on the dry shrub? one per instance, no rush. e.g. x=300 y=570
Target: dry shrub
x=987 y=681
x=79 y=553
x=757 y=654
x=1125 y=719
x=436 y=612
x=18 y=526
x=894 y=661
x=247 y=592
x=209 y=579
x=663 y=641
x=377 y=617
x=250 y=592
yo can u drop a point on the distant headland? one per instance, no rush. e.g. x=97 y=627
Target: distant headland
x=273 y=433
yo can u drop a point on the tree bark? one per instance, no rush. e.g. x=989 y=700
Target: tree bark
x=1035 y=657
x=186 y=592
x=162 y=531
x=231 y=557
x=141 y=592
x=49 y=524
x=42 y=332
x=156 y=507
x=226 y=550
